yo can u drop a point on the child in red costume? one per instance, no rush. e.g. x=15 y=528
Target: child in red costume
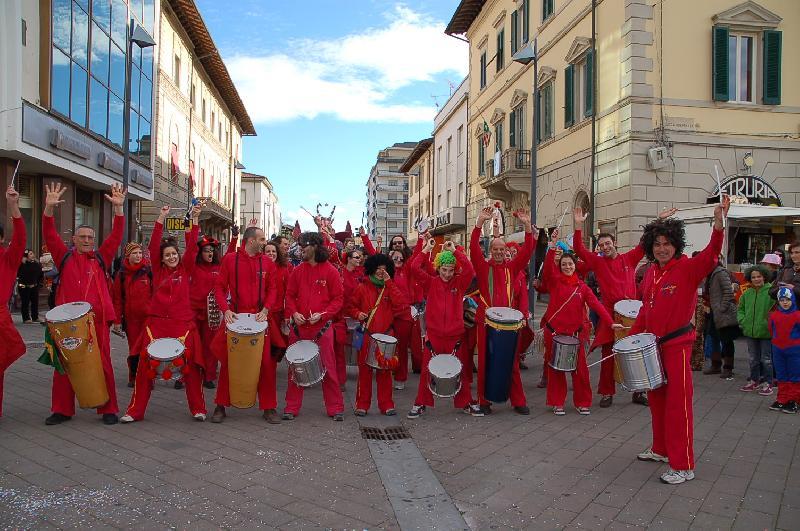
x=170 y=316
x=784 y=324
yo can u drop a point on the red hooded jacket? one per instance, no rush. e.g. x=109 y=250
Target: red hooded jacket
x=444 y=310
x=504 y=274
x=615 y=276
x=365 y=298
x=244 y=287
x=138 y=289
x=314 y=289
x=204 y=278
x=171 y=287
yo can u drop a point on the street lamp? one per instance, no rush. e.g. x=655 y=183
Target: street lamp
x=142 y=39
x=528 y=55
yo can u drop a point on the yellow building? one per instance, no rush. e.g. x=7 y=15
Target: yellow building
x=682 y=86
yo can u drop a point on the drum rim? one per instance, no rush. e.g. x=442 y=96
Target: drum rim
x=576 y=340
x=628 y=314
x=506 y=320
x=394 y=339
x=71 y=304
x=617 y=349
x=305 y=342
x=444 y=360
x=165 y=340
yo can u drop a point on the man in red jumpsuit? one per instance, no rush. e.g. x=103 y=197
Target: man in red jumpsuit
x=249 y=277
x=496 y=279
x=313 y=299
x=669 y=293
x=83 y=278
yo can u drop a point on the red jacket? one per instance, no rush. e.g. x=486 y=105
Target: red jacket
x=314 y=289
x=244 y=286
x=670 y=292
x=170 y=298
x=13 y=346
x=503 y=274
x=366 y=296
x=615 y=276
x=521 y=297
x=351 y=281
x=282 y=274
x=444 y=309
x=138 y=289
x=203 y=279
x=83 y=279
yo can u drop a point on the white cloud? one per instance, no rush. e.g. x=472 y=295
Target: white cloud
x=353 y=78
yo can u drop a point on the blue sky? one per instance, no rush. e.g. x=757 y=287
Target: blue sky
x=328 y=83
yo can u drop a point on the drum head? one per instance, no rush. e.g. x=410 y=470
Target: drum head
x=302 y=351
x=247 y=325
x=634 y=342
x=165 y=349
x=501 y=314
x=383 y=338
x=566 y=340
x=68 y=312
x=444 y=366
x=628 y=308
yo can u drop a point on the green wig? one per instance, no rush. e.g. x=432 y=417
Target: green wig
x=444 y=258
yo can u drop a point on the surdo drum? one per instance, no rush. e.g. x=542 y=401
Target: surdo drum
x=502 y=326
x=380 y=352
x=639 y=362
x=625 y=313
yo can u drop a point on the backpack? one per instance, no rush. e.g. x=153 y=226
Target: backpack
x=57 y=279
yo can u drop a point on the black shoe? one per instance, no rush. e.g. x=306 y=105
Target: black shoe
x=640 y=398
x=287 y=416
x=338 y=417
x=486 y=409
x=790 y=407
x=56 y=418
x=777 y=406
x=522 y=410
x=219 y=415
x=178 y=384
x=110 y=419
x=606 y=401
x=130 y=384
x=210 y=384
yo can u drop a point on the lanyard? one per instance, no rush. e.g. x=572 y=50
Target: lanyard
x=491 y=286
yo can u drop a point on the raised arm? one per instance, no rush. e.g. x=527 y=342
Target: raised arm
x=467 y=273
x=13 y=255
x=108 y=249
x=53 y=194
x=422 y=276
x=190 y=253
x=154 y=247
x=365 y=241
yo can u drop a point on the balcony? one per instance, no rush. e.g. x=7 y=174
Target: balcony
x=513 y=174
x=215 y=211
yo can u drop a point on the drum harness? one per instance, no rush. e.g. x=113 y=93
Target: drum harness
x=659 y=341
x=550 y=327
x=430 y=347
x=319 y=334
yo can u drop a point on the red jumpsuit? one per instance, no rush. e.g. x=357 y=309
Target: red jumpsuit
x=499 y=293
x=670 y=297
x=250 y=280
x=444 y=315
x=169 y=315
x=616 y=278
x=312 y=289
x=13 y=346
x=566 y=315
x=83 y=280
x=350 y=281
x=131 y=301
x=277 y=313
x=381 y=304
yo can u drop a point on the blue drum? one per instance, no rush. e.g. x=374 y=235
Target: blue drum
x=502 y=326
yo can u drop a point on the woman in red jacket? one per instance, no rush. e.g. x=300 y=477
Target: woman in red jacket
x=170 y=315
x=278 y=329
x=566 y=315
x=352 y=275
x=445 y=321
x=376 y=302
x=131 y=292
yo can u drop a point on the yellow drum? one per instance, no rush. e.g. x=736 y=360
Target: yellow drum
x=625 y=313
x=72 y=328
x=245 y=348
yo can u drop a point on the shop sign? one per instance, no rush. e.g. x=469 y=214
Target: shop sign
x=175 y=224
x=756 y=190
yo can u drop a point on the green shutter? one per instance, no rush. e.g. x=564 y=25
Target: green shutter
x=538 y=115
x=772 y=68
x=514 y=32
x=569 y=91
x=499 y=59
x=512 y=129
x=719 y=60
x=589 y=93
x=526 y=9
x=483 y=69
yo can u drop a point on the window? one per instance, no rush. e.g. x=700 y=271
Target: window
x=176 y=71
x=439 y=203
x=483 y=69
x=547 y=9
x=514 y=32
x=244 y=196
x=459 y=140
x=203 y=114
x=192 y=95
x=405 y=198
x=392 y=197
x=174 y=162
x=735 y=65
x=578 y=90
x=524 y=10
x=498 y=136
x=448 y=199
x=439 y=158
x=516 y=127
x=213 y=121
x=545 y=122
x=481 y=157
x=449 y=146
x=391 y=224
x=499 y=58
x=460 y=193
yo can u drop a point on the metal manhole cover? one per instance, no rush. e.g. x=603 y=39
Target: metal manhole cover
x=390 y=433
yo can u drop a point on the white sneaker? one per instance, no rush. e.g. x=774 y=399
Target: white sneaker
x=415 y=412
x=650 y=455
x=200 y=417
x=399 y=385
x=474 y=410
x=125 y=419
x=674 y=477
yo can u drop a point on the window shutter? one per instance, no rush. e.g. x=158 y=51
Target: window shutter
x=526 y=9
x=772 y=68
x=499 y=58
x=514 y=32
x=539 y=117
x=569 y=91
x=719 y=60
x=512 y=129
x=589 y=103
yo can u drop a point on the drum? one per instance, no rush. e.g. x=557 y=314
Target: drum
x=470 y=309
x=380 y=352
x=166 y=357
x=565 y=353
x=444 y=375
x=625 y=313
x=350 y=351
x=640 y=363
x=305 y=363
x=245 y=349
x=502 y=325
x=418 y=314
x=72 y=329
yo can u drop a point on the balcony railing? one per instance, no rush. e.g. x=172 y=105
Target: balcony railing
x=510 y=160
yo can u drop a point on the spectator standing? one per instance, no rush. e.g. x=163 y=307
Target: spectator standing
x=784 y=323
x=789 y=276
x=725 y=326
x=755 y=304
x=29 y=278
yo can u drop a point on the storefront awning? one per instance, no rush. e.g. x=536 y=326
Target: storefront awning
x=738 y=211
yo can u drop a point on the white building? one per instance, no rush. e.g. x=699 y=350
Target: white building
x=259 y=202
x=387 y=193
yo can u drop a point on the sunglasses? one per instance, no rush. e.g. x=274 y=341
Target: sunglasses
x=355 y=258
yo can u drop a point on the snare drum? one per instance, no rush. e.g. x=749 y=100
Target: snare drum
x=380 y=352
x=245 y=350
x=305 y=363
x=72 y=328
x=565 y=353
x=502 y=326
x=625 y=313
x=444 y=375
x=166 y=356
x=350 y=351
x=640 y=362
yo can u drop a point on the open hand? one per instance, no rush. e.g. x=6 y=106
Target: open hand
x=579 y=215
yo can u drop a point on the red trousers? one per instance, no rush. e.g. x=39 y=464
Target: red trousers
x=331 y=393
x=516 y=392
x=13 y=347
x=671 y=408
x=133 y=329
x=339 y=343
x=445 y=345
x=403 y=328
x=787 y=391
x=383 y=378
x=63 y=396
x=267 y=377
x=606 y=386
x=416 y=347
x=557 y=380
x=209 y=360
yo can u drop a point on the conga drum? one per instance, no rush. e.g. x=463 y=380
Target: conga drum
x=245 y=349
x=502 y=326
x=72 y=328
x=625 y=313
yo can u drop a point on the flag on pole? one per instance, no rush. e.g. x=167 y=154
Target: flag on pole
x=487 y=134
x=296 y=231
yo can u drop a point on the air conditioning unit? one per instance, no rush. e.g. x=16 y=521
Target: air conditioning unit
x=657 y=158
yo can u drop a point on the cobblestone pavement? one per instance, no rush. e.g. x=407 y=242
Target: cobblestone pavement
x=501 y=471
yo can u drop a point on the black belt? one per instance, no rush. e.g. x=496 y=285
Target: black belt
x=553 y=330
x=675 y=333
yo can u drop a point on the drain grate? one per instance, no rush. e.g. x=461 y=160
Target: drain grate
x=390 y=433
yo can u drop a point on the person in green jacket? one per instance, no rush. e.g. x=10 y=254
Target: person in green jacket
x=754 y=307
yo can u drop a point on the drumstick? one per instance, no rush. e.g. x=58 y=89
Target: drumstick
x=14 y=176
x=601 y=360
x=719 y=189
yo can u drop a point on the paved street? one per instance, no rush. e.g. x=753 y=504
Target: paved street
x=501 y=471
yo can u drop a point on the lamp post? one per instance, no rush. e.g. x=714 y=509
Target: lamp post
x=528 y=55
x=137 y=35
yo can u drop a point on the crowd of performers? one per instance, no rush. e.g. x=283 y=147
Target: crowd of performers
x=195 y=295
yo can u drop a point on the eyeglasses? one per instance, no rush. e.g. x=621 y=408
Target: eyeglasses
x=355 y=258
x=397 y=259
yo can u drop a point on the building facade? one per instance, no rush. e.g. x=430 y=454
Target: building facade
x=259 y=202
x=200 y=121
x=419 y=168
x=684 y=90
x=61 y=107
x=387 y=194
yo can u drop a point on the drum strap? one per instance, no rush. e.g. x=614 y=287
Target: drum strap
x=547 y=324
x=319 y=334
x=374 y=308
x=430 y=347
x=675 y=333
x=236 y=288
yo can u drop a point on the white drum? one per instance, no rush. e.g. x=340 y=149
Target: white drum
x=444 y=375
x=381 y=351
x=168 y=352
x=305 y=364
x=246 y=325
